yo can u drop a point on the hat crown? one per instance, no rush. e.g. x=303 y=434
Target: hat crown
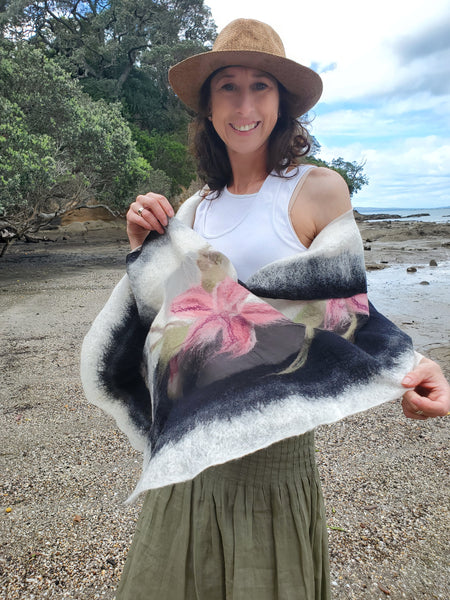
x=253 y=44
x=249 y=35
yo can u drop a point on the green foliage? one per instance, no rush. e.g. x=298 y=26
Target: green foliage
x=59 y=148
x=27 y=165
x=158 y=182
x=352 y=172
x=76 y=145
x=118 y=49
x=165 y=152
x=147 y=97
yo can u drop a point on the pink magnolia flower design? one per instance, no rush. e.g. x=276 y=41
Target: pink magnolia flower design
x=225 y=310
x=339 y=311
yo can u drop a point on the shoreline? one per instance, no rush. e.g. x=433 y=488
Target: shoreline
x=385 y=241
x=390 y=248
x=67 y=470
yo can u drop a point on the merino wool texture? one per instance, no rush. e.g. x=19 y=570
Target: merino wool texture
x=198 y=369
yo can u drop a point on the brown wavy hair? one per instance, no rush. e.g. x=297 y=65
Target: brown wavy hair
x=288 y=142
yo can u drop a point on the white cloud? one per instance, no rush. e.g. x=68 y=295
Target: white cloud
x=412 y=172
x=420 y=114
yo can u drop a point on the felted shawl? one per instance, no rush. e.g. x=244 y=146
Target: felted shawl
x=199 y=369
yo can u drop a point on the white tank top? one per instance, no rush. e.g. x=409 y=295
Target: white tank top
x=252 y=230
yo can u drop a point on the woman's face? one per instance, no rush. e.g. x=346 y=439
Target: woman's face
x=244 y=108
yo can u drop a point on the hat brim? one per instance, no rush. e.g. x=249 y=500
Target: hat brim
x=188 y=76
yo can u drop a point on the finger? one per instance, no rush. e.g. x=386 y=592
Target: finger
x=430 y=408
x=412 y=412
x=149 y=221
x=168 y=208
x=150 y=217
x=135 y=220
x=158 y=205
x=149 y=198
x=413 y=415
x=410 y=380
x=419 y=375
x=156 y=225
x=145 y=206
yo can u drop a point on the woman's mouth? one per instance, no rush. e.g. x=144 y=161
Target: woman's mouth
x=246 y=127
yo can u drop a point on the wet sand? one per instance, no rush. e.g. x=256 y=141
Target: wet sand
x=402 y=283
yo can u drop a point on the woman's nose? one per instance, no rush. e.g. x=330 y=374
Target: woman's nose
x=245 y=102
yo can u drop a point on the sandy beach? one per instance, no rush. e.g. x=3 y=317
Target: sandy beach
x=66 y=469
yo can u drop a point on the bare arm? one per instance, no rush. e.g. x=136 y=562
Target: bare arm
x=323 y=197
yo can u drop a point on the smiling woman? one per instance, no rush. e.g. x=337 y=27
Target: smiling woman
x=244 y=111
x=286 y=139
x=242 y=324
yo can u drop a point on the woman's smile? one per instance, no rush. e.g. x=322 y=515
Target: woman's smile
x=245 y=128
x=244 y=108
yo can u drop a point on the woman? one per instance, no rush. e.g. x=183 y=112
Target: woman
x=324 y=195
x=252 y=527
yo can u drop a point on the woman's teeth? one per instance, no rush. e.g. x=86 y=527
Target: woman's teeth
x=245 y=127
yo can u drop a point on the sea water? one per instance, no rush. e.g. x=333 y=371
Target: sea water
x=417 y=302
x=421 y=309
x=431 y=215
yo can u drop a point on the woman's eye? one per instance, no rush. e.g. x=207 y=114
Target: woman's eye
x=228 y=87
x=260 y=85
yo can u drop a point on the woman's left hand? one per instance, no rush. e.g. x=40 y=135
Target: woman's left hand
x=430 y=393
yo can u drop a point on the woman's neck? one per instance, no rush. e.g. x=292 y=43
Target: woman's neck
x=249 y=173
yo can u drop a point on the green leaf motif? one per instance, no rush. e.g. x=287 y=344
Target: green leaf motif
x=173 y=338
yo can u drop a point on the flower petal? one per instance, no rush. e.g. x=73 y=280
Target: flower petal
x=229 y=296
x=238 y=336
x=193 y=303
x=203 y=331
x=260 y=313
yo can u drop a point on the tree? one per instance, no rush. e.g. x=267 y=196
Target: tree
x=27 y=167
x=352 y=172
x=119 y=49
x=166 y=153
x=58 y=148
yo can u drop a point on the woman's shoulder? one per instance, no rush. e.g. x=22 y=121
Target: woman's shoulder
x=323 y=197
x=317 y=179
x=323 y=179
x=326 y=189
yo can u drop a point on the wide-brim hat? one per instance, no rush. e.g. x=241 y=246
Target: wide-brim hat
x=247 y=43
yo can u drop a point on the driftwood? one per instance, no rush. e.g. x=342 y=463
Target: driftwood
x=31 y=239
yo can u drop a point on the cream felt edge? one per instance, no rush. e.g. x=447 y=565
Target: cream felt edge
x=255 y=430
x=94 y=344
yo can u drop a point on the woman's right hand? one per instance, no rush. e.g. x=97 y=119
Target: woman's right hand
x=147 y=213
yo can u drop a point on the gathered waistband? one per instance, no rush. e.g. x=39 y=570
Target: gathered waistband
x=282 y=461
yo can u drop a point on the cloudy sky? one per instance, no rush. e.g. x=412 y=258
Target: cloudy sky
x=386 y=101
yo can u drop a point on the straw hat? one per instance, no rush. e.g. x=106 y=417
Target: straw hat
x=248 y=43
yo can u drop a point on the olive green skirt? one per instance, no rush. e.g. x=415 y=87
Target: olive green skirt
x=250 y=529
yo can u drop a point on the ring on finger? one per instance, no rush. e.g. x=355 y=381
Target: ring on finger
x=419 y=412
x=140 y=210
